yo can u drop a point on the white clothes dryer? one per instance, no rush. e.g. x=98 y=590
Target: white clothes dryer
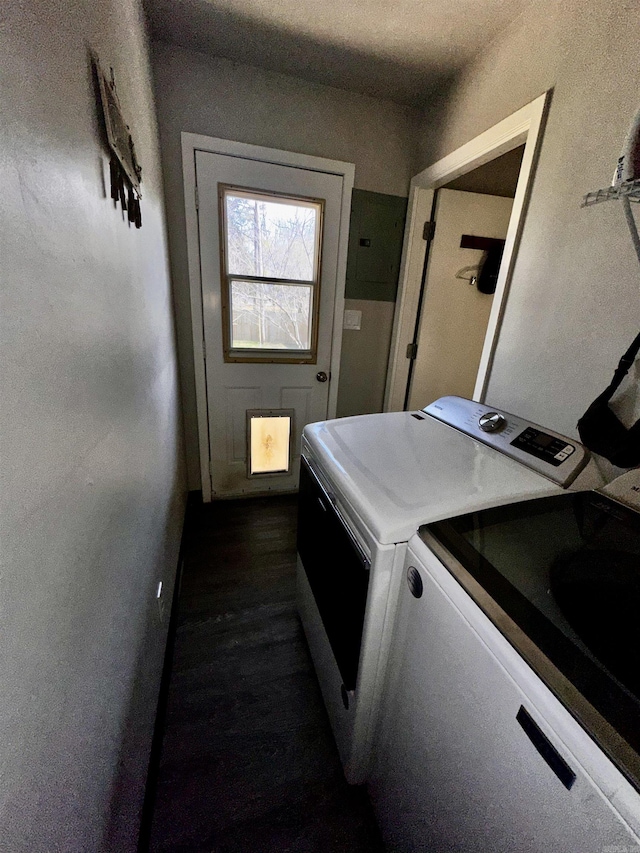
x=367 y=484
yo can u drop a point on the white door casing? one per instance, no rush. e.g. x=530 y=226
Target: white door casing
x=526 y=126
x=225 y=391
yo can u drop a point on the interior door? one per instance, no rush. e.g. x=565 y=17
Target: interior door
x=455 y=315
x=269 y=240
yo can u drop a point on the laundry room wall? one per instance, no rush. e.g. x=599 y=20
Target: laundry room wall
x=93 y=487
x=574 y=304
x=215 y=97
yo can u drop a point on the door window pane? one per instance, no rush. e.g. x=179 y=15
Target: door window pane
x=271 y=251
x=267 y=315
x=270 y=237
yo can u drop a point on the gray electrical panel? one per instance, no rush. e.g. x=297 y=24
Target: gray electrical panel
x=375 y=245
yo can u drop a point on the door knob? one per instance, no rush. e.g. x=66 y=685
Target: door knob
x=321 y=376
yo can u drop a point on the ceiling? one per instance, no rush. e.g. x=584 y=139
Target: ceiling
x=402 y=50
x=497 y=177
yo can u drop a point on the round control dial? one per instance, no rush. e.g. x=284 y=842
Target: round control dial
x=492 y=422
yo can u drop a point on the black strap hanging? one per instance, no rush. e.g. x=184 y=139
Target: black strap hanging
x=602 y=431
x=624 y=365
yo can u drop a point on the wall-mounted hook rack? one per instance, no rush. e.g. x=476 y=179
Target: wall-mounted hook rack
x=484 y=244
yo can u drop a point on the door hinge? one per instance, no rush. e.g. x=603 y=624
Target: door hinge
x=204 y=349
x=428 y=230
x=412 y=351
x=197 y=195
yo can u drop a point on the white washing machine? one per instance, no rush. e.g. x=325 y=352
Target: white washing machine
x=510 y=720
x=367 y=484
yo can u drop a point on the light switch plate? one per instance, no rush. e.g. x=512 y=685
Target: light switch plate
x=352 y=319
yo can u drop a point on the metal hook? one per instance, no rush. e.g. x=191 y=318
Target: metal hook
x=472 y=279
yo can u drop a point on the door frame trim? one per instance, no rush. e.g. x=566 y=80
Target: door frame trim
x=192 y=142
x=526 y=125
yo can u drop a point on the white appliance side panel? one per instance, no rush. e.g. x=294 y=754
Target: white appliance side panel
x=384 y=583
x=587 y=752
x=398 y=472
x=352 y=727
x=454 y=771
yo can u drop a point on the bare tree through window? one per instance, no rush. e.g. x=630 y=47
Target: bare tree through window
x=271 y=238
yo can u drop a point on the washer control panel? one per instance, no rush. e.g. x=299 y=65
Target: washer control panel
x=544 y=446
x=551 y=454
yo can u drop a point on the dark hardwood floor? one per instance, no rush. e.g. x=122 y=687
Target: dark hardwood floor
x=248 y=762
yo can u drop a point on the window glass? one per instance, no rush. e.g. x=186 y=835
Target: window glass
x=265 y=315
x=271 y=275
x=272 y=239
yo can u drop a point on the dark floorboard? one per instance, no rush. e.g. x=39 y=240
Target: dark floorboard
x=248 y=760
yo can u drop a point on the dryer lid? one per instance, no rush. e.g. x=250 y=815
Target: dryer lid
x=399 y=470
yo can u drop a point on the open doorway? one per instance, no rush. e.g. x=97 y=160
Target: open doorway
x=469 y=227
x=458 y=172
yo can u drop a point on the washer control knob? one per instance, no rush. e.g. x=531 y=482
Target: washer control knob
x=492 y=422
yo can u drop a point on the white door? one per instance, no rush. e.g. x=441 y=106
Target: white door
x=269 y=240
x=455 y=315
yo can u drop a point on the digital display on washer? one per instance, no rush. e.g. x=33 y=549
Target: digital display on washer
x=542 y=439
x=543 y=446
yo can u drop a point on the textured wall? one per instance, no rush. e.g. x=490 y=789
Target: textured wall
x=215 y=97
x=92 y=479
x=364 y=358
x=574 y=304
